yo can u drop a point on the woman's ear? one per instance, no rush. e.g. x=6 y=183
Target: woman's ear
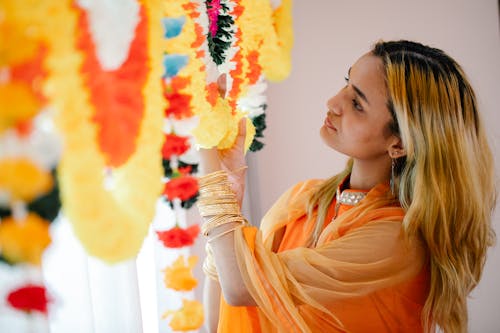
x=396 y=149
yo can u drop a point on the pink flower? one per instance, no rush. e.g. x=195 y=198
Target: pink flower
x=213 y=9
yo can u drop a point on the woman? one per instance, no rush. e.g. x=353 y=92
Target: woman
x=395 y=242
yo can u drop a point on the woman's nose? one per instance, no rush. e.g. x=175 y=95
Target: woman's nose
x=334 y=106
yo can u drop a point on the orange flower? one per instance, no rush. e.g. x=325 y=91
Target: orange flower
x=179 y=237
x=24 y=241
x=23 y=180
x=189 y=317
x=175 y=145
x=184 y=188
x=179 y=276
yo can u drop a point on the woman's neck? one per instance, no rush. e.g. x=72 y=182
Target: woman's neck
x=365 y=175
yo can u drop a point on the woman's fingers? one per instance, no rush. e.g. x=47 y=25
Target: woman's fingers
x=222 y=84
x=242 y=131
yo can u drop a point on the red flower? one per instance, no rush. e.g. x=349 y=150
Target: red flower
x=179 y=237
x=29 y=298
x=178 y=106
x=184 y=188
x=174 y=145
x=185 y=170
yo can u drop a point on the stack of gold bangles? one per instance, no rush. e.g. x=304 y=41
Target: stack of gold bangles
x=218 y=206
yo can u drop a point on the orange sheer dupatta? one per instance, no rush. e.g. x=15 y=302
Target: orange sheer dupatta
x=362 y=251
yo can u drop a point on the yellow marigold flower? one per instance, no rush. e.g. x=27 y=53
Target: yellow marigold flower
x=189 y=317
x=179 y=276
x=24 y=241
x=23 y=180
x=232 y=131
x=25 y=45
x=213 y=125
x=18 y=104
x=276 y=47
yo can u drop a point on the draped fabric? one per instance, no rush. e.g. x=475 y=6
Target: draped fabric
x=363 y=275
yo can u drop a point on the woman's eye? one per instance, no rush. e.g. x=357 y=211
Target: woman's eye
x=356 y=105
x=346 y=79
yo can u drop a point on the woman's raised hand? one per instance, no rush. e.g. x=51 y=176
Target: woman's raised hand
x=232 y=159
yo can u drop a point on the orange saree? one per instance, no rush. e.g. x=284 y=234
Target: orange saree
x=362 y=276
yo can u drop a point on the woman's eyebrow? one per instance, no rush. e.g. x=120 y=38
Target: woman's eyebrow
x=356 y=89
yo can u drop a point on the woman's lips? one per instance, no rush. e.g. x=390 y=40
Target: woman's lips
x=329 y=124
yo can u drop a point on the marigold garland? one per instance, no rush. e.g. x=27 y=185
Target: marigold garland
x=181 y=189
x=25 y=176
x=111 y=223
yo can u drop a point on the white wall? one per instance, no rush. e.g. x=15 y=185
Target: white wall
x=329 y=37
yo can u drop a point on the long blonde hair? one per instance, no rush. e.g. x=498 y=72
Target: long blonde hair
x=446 y=182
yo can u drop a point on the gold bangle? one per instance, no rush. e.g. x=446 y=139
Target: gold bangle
x=213 y=177
x=218 y=209
x=217 y=221
x=216 y=200
x=215 y=188
x=219 y=235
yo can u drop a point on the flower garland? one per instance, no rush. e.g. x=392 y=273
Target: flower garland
x=181 y=75
x=218 y=123
x=252 y=41
x=109 y=199
x=29 y=152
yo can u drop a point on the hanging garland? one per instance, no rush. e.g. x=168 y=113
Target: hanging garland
x=29 y=152
x=182 y=75
x=109 y=199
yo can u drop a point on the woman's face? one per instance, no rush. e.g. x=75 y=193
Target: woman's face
x=357 y=119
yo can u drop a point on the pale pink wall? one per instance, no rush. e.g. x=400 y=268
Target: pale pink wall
x=329 y=37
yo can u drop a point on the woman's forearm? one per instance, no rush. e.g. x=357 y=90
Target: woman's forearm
x=231 y=282
x=211 y=299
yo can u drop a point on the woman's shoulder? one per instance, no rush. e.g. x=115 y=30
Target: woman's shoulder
x=305 y=186
x=290 y=205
